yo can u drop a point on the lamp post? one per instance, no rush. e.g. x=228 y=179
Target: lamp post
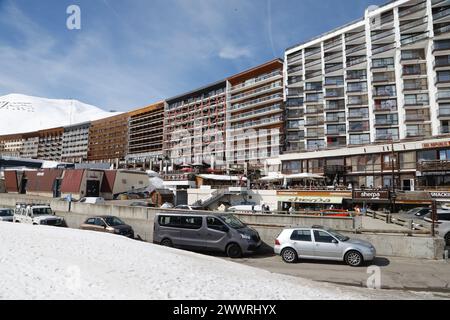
x=393 y=195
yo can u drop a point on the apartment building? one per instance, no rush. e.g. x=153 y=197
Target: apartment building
x=11 y=145
x=50 y=144
x=194 y=127
x=75 y=142
x=381 y=80
x=145 y=135
x=255 y=115
x=108 y=139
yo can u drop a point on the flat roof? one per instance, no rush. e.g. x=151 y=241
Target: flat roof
x=205 y=89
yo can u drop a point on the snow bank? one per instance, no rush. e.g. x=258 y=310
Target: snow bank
x=39 y=262
x=20 y=113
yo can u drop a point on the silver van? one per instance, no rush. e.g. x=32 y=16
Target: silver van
x=210 y=232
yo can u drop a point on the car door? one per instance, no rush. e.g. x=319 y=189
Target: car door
x=89 y=224
x=191 y=232
x=303 y=244
x=326 y=246
x=216 y=234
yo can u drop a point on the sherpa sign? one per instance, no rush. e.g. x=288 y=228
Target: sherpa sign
x=372 y=195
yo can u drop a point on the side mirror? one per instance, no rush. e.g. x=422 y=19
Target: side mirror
x=334 y=241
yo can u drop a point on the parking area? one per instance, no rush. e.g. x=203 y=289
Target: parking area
x=396 y=273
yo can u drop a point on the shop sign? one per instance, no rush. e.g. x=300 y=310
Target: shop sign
x=372 y=195
x=440 y=194
x=300 y=199
x=436 y=144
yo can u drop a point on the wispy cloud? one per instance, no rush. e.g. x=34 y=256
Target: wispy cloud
x=233 y=52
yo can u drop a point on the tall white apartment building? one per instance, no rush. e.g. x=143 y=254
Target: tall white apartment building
x=383 y=78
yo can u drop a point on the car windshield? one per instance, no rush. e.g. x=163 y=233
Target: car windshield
x=413 y=211
x=337 y=235
x=114 y=221
x=232 y=221
x=6 y=213
x=42 y=212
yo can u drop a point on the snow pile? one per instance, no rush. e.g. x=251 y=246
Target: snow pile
x=39 y=262
x=20 y=113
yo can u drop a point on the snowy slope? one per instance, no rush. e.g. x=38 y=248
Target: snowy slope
x=39 y=262
x=21 y=113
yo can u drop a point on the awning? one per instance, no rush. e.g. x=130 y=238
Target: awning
x=221 y=177
x=273 y=162
x=304 y=176
x=310 y=199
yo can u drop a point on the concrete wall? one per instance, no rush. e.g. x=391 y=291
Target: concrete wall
x=268 y=226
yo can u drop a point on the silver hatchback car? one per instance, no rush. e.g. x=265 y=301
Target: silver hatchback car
x=323 y=244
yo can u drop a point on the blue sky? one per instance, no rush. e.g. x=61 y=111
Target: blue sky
x=130 y=53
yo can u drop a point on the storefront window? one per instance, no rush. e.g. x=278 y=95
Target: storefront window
x=290 y=167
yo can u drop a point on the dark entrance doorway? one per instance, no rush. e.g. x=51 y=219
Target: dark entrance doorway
x=92 y=188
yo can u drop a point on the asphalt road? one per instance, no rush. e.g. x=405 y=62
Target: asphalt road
x=396 y=273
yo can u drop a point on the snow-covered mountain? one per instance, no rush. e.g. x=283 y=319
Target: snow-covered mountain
x=21 y=113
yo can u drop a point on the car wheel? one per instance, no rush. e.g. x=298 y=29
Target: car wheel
x=447 y=239
x=289 y=255
x=354 y=258
x=234 y=251
x=166 y=243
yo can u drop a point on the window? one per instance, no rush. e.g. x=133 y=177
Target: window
x=191 y=222
x=170 y=221
x=90 y=221
x=215 y=224
x=99 y=222
x=443 y=76
x=301 y=235
x=323 y=237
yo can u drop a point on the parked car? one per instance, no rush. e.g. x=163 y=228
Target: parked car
x=109 y=224
x=322 y=243
x=93 y=200
x=245 y=208
x=142 y=204
x=441 y=215
x=211 y=232
x=418 y=212
x=443 y=230
x=36 y=214
x=6 y=215
x=190 y=208
x=167 y=205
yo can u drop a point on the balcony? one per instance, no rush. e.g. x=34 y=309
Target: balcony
x=312 y=51
x=257 y=80
x=405 y=12
x=415 y=85
x=333 y=68
x=255 y=92
x=312 y=75
x=382 y=35
x=357 y=101
x=383 y=48
x=339 y=119
x=421 y=132
x=295 y=113
x=413 y=24
x=356 y=75
x=314 y=121
x=417 y=116
x=441 y=30
x=314 y=98
x=355 y=61
x=355 y=49
x=386 y=137
x=389 y=121
x=384 y=77
x=440 y=45
x=334 y=93
x=384 y=92
x=441 y=15
x=332 y=44
x=295 y=58
x=443 y=95
x=414 y=38
x=313 y=64
x=333 y=105
x=313 y=110
x=444 y=112
x=263 y=111
x=358 y=126
x=298 y=69
x=382 y=63
x=434 y=165
x=357 y=88
x=314 y=134
x=336 y=82
x=313 y=86
x=257 y=123
x=356 y=114
x=294 y=92
x=256 y=102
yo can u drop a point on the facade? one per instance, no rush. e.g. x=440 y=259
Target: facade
x=50 y=144
x=194 y=127
x=30 y=145
x=255 y=115
x=145 y=135
x=75 y=142
x=385 y=77
x=108 y=139
x=408 y=166
x=11 y=145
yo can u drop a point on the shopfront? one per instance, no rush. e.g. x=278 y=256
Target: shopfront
x=313 y=200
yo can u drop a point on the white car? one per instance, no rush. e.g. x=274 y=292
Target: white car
x=245 y=208
x=37 y=215
x=6 y=215
x=93 y=200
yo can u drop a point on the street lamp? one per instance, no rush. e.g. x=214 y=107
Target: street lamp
x=393 y=195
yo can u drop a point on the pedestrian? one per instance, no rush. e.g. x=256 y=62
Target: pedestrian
x=291 y=210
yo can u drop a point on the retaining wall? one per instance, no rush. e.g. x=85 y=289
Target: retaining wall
x=268 y=226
